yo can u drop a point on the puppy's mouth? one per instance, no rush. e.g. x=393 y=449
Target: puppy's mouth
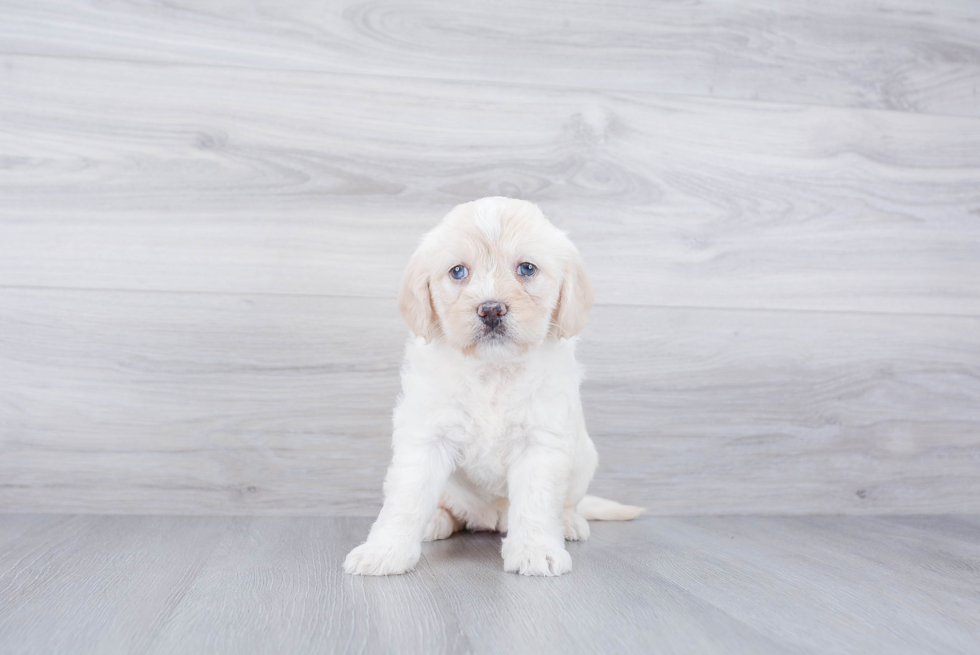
x=493 y=332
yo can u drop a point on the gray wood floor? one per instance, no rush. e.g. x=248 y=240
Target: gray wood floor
x=205 y=208
x=239 y=585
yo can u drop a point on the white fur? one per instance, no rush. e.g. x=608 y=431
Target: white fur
x=489 y=432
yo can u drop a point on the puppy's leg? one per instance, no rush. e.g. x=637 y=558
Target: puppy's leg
x=583 y=467
x=537 y=486
x=412 y=488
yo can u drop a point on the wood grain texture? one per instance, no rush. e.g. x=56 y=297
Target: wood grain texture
x=205 y=209
x=208 y=403
x=244 y=585
x=190 y=178
x=906 y=55
x=198 y=403
x=96 y=585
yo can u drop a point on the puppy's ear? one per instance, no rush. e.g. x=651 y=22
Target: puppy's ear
x=575 y=298
x=415 y=299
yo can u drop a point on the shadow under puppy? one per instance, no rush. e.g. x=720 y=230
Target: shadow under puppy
x=489 y=432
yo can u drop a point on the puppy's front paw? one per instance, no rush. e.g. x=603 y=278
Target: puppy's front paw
x=529 y=558
x=381 y=558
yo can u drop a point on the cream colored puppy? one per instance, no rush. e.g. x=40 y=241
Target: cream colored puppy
x=489 y=432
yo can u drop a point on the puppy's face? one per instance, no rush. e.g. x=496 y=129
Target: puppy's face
x=495 y=277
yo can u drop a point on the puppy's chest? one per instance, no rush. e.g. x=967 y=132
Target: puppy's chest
x=495 y=413
x=493 y=408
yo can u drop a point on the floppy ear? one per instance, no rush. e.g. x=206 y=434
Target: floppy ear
x=574 y=299
x=415 y=300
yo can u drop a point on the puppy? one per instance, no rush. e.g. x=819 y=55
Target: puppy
x=489 y=432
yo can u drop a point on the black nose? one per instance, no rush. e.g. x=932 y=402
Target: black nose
x=491 y=313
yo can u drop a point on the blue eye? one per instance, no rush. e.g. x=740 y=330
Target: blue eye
x=526 y=269
x=458 y=272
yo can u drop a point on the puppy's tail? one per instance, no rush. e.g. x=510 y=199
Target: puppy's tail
x=592 y=508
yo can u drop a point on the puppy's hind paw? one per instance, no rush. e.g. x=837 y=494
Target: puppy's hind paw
x=576 y=528
x=442 y=526
x=372 y=558
x=535 y=559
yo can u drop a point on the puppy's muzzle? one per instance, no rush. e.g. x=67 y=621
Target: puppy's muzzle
x=492 y=315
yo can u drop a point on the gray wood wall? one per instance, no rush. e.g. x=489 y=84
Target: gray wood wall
x=205 y=208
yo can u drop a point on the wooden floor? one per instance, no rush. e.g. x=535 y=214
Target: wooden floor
x=239 y=585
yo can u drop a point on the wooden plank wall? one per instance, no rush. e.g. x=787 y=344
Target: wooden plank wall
x=205 y=208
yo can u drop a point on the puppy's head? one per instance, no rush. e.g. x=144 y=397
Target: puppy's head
x=495 y=277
